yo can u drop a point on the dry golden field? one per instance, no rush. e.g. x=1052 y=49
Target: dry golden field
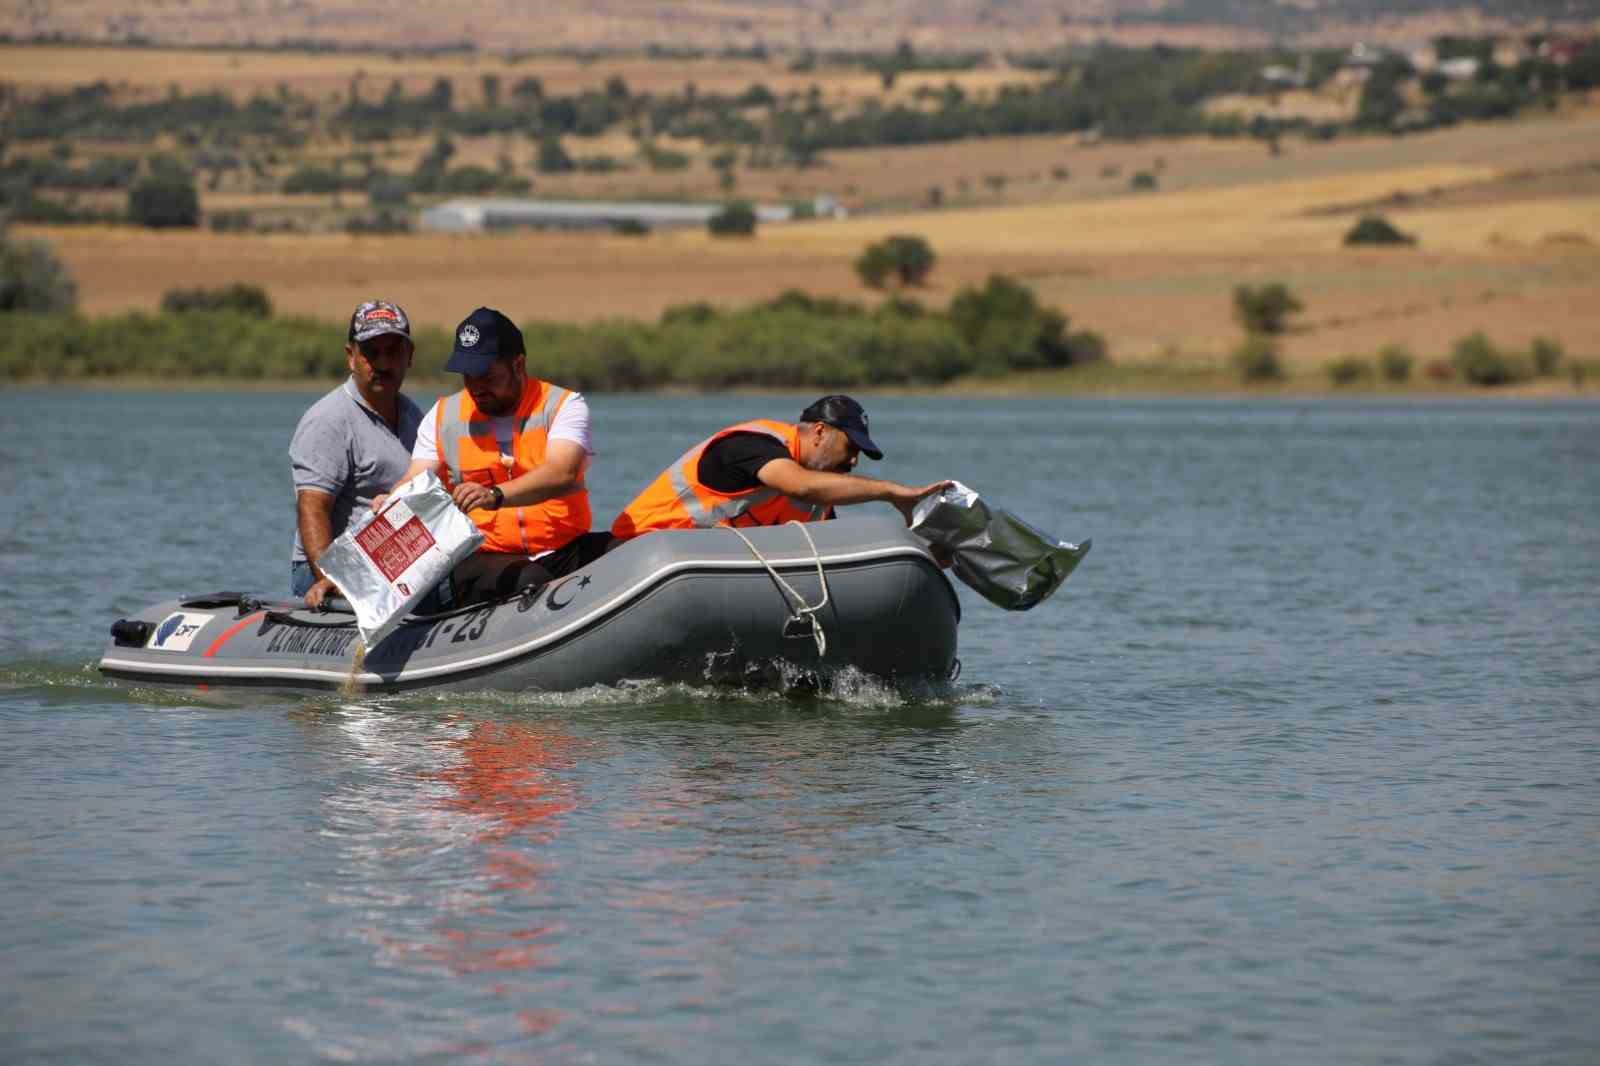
x=1507 y=216
x=149 y=72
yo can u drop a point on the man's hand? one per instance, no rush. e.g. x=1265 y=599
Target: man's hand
x=469 y=495
x=379 y=500
x=905 y=501
x=319 y=592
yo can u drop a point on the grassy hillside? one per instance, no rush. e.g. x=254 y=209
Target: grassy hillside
x=1507 y=218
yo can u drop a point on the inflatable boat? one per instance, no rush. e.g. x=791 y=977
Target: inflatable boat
x=751 y=606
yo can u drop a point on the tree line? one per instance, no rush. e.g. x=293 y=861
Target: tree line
x=793 y=340
x=1117 y=91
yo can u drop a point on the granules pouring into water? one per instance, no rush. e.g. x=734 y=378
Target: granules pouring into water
x=352 y=683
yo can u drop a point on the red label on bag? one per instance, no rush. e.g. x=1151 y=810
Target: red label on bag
x=393 y=550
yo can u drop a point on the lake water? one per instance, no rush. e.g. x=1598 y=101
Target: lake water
x=1302 y=765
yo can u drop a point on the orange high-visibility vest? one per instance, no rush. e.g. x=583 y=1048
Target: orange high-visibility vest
x=469 y=452
x=677 y=499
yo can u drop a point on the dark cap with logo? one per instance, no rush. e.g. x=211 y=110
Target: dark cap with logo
x=843 y=413
x=484 y=336
x=377 y=317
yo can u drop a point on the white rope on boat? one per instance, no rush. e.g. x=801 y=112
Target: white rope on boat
x=799 y=607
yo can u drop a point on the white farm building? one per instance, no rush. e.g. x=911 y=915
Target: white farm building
x=476 y=216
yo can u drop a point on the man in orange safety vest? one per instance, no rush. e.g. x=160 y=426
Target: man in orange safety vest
x=764 y=472
x=512 y=451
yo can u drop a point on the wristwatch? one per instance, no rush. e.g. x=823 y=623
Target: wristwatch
x=499 y=498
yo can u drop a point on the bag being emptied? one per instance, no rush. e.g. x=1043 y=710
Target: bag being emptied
x=1007 y=561
x=389 y=559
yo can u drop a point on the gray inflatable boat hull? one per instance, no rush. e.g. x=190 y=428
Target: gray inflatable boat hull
x=692 y=606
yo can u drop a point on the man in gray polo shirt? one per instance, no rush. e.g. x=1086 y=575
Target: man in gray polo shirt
x=354 y=443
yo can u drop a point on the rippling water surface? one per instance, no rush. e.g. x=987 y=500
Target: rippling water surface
x=1300 y=766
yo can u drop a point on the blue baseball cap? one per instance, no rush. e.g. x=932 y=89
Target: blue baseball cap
x=844 y=414
x=481 y=338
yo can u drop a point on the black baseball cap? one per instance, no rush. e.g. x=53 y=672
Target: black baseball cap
x=374 y=318
x=843 y=413
x=481 y=338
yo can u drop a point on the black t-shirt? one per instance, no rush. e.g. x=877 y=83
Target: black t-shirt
x=730 y=465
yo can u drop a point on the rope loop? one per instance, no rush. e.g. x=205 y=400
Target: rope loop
x=796 y=603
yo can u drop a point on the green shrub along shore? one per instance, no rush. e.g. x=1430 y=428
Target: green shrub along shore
x=774 y=346
x=794 y=341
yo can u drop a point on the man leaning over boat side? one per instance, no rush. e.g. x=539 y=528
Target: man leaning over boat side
x=764 y=473
x=512 y=451
x=354 y=443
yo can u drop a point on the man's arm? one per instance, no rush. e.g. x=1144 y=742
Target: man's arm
x=417 y=466
x=314 y=514
x=823 y=487
x=424 y=454
x=561 y=473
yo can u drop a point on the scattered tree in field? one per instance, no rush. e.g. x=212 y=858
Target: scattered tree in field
x=33 y=279
x=240 y=297
x=1395 y=361
x=1265 y=308
x=736 y=219
x=1257 y=359
x=1479 y=361
x=1546 y=355
x=874 y=265
x=1008 y=329
x=552 y=158
x=724 y=162
x=907 y=260
x=1375 y=229
x=1349 y=370
x=167 y=202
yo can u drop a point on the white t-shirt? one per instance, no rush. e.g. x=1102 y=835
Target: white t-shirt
x=572 y=423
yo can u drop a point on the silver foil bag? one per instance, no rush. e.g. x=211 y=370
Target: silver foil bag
x=1007 y=561
x=389 y=559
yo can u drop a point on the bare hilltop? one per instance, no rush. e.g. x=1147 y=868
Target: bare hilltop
x=822 y=25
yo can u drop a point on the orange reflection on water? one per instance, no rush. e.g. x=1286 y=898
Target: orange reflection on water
x=505 y=780
x=504 y=775
x=465 y=951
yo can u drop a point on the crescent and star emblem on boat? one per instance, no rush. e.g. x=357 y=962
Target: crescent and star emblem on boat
x=550 y=600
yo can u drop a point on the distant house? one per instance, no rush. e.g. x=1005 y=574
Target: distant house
x=1278 y=76
x=479 y=215
x=1509 y=51
x=1363 y=55
x=1461 y=68
x=1562 y=50
x=1358 y=64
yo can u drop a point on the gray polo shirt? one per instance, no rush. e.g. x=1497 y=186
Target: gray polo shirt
x=345 y=448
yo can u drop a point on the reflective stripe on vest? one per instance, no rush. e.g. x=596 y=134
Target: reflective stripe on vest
x=681 y=480
x=469 y=450
x=453 y=427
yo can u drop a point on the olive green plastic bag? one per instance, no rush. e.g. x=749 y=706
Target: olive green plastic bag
x=1007 y=561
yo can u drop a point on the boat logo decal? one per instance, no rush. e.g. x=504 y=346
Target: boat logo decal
x=574 y=587
x=178 y=630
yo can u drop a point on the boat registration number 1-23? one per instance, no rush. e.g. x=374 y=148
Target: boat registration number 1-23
x=469 y=626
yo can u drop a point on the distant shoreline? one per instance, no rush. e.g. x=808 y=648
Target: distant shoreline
x=1107 y=383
